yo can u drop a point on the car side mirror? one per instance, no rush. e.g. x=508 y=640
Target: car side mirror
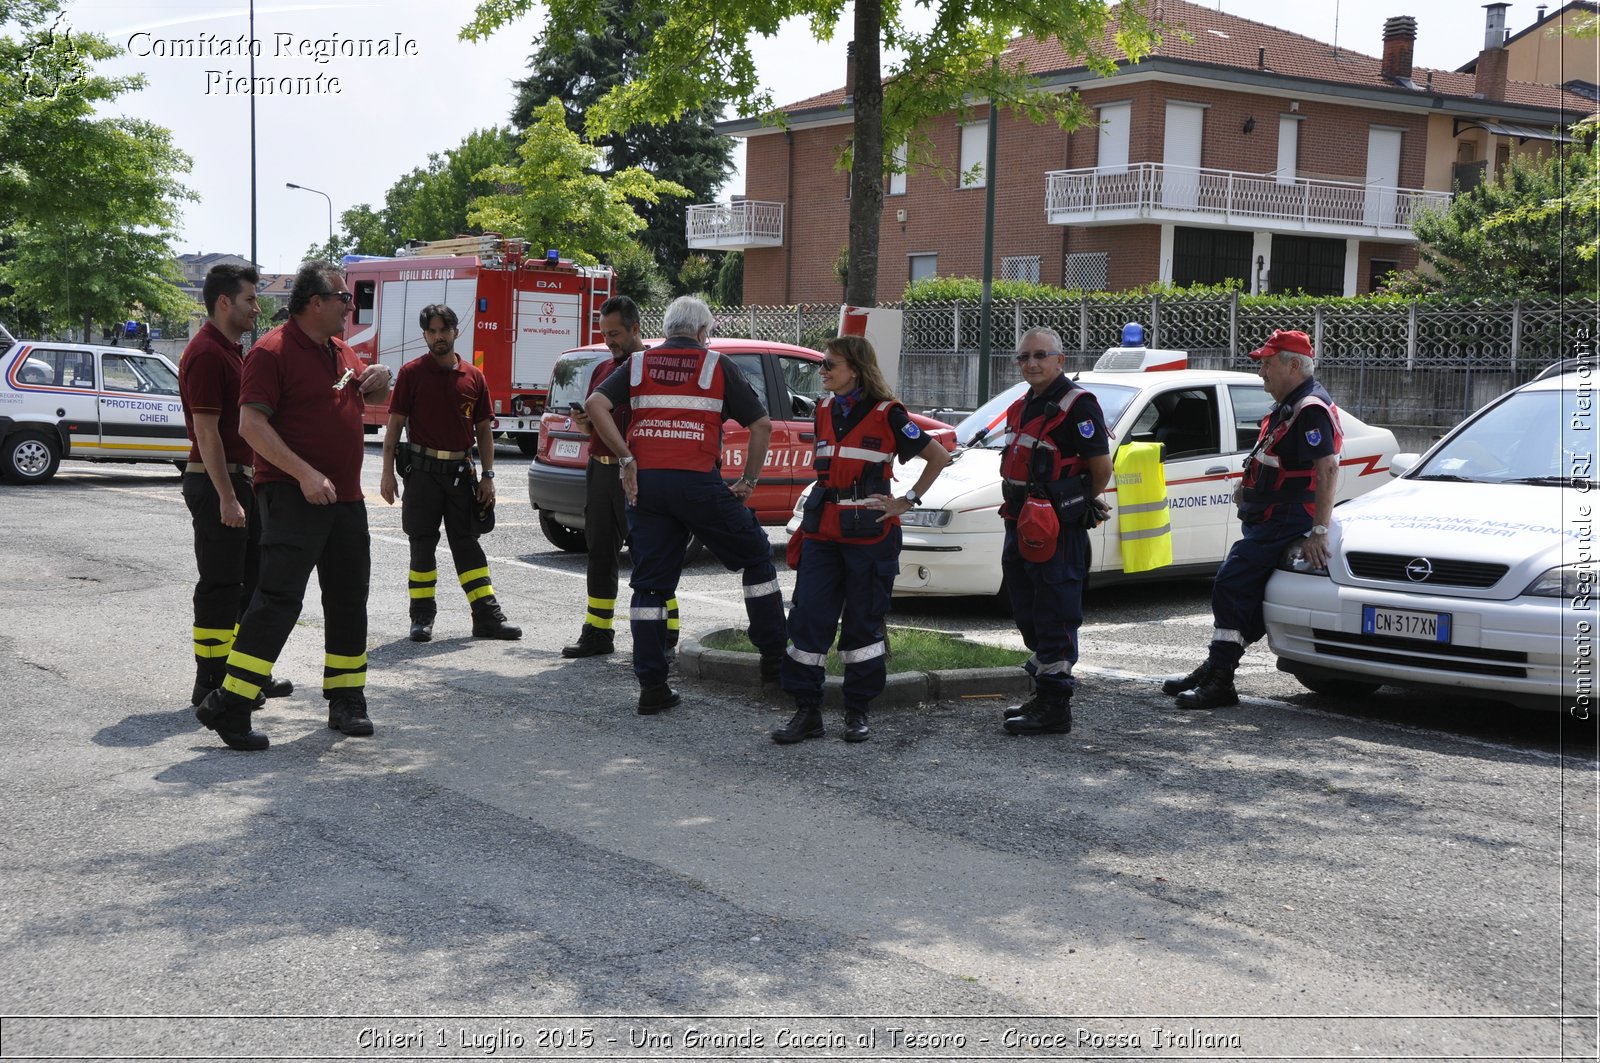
x=803 y=407
x=1400 y=464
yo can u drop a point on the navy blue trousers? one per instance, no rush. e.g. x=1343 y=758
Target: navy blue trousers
x=1241 y=585
x=1047 y=605
x=857 y=579
x=673 y=505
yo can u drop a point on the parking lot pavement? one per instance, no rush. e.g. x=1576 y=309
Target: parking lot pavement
x=515 y=841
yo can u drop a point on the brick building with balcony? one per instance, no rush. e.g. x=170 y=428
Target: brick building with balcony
x=1248 y=153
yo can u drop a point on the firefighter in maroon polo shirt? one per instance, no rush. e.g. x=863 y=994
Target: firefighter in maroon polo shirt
x=443 y=403
x=216 y=481
x=301 y=399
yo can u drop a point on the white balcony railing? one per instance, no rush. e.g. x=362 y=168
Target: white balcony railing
x=1153 y=190
x=727 y=226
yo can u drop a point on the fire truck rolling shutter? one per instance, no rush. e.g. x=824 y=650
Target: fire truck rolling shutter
x=400 y=332
x=547 y=324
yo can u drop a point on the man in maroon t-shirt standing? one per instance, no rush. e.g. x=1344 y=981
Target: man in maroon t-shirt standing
x=443 y=403
x=301 y=402
x=216 y=482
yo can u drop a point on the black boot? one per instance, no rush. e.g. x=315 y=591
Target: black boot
x=224 y=714
x=1215 y=692
x=1052 y=717
x=1027 y=708
x=807 y=723
x=347 y=714
x=421 y=628
x=657 y=699
x=855 y=726
x=277 y=688
x=1173 y=687
x=488 y=622
x=206 y=680
x=592 y=642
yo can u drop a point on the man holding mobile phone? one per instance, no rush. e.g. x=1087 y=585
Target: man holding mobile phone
x=605 y=515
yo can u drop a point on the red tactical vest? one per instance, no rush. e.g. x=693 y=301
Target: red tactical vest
x=1035 y=438
x=1266 y=482
x=675 y=395
x=848 y=470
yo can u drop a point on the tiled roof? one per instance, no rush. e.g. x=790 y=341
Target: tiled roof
x=1223 y=40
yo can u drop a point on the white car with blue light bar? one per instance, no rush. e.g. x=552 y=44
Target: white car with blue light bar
x=1206 y=420
x=1472 y=572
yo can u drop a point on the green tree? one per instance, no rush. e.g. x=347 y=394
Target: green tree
x=554 y=197
x=700 y=52
x=730 y=279
x=687 y=150
x=90 y=204
x=1515 y=235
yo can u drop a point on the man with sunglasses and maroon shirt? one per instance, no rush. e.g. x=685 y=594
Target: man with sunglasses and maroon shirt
x=1058 y=459
x=302 y=398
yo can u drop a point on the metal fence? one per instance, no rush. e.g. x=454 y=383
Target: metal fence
x=1416 y=368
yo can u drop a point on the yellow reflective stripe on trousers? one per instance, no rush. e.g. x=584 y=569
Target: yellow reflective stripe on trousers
x=472 y=574
x=1144 y=524
x=247 y=663
x=344 y=681
x=334 y=660
x=245 y=689
x=484 y=591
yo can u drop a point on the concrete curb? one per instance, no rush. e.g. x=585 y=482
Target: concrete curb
x=903 y=689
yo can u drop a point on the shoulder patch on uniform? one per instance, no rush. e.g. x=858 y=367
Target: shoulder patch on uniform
x=1314 y=436
x=1086 y=429
x=911 y=431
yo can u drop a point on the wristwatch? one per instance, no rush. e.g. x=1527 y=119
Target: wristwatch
x=1317 y=529
x=623 y=463
x=912 y=497
x=488 y=474
x=747 y=478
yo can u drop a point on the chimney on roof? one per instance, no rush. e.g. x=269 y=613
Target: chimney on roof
x=1494 y=60
x=1399 y=42
x=850 y=72
x=1540 y=10
x=1494 y=25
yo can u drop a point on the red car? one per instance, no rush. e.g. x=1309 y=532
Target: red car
x=786 y=377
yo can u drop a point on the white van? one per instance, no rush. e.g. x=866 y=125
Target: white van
x=85 y=401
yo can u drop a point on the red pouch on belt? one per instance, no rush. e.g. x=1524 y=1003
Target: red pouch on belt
x=791 y=555
x=1038 y=530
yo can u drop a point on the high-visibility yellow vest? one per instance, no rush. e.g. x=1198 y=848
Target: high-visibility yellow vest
x=1143 y=523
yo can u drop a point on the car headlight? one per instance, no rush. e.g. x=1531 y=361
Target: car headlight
x=926 y=518
x=1293 y=559
x=1565 y=581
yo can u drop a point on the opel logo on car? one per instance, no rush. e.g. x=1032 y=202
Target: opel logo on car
x=1419 y=570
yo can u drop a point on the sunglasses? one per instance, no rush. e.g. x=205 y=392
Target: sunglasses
x=343 y=297
x=830 y=365
x=1038 y=356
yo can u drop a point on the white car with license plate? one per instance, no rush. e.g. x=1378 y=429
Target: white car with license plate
x=1472 y=572
x=1208 y=421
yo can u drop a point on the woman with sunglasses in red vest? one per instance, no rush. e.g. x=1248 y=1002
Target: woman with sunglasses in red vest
x=850 y=550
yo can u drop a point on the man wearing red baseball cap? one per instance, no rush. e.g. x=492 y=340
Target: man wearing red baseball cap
x=1286 y=494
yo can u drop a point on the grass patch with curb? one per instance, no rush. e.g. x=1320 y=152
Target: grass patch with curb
x=911 y=649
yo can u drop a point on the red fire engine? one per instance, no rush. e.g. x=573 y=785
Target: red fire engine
x=517 y=315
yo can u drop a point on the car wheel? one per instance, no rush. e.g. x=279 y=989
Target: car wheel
x=1338 y=688
x=527 y=443
x=31 y=458
x=562 y=537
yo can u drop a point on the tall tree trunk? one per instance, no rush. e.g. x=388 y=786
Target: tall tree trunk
x=866 y=169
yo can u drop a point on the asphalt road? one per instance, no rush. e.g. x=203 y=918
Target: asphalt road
x=517 y=865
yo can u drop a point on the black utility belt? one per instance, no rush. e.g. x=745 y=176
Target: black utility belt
x=831 y=494
x=420 y=463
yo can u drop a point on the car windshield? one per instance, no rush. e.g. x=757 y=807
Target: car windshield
x=1524 y=439
x=570 y=381
x=985 y=426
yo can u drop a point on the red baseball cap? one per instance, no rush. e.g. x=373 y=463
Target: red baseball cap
x=1285 y=340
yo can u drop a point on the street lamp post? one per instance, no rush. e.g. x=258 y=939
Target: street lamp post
x=324 y=195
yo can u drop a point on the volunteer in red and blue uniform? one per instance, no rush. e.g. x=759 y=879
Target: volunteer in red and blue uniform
x=1286 y=494
x=678 y=395
x=442 y=402
x=1056 y=464
x=850 y=553
x=302 y=397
